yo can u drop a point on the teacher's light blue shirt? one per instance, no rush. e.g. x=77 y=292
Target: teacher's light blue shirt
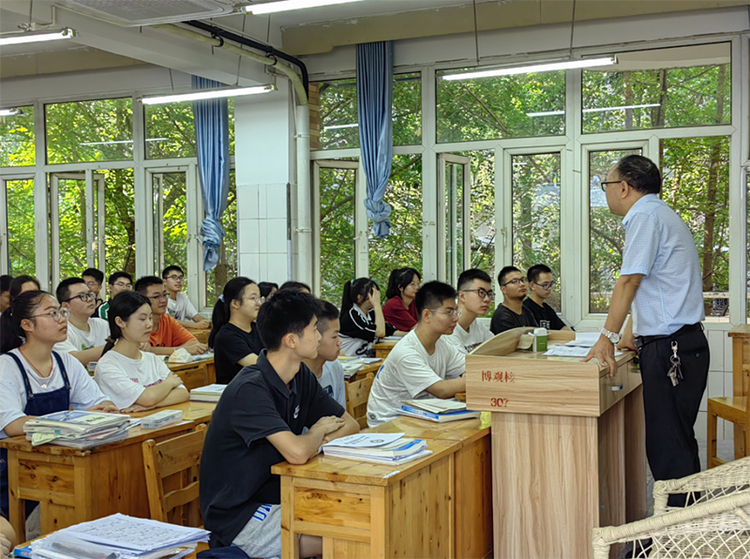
x=659 y=246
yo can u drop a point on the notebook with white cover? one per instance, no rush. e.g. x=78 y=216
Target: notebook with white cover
x=436 y=405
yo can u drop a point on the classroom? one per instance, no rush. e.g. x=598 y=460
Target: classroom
x=482 y=158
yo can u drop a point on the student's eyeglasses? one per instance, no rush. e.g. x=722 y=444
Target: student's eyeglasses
x=176 y=278
x=125 y=286
x=547 y=286
x=161 y=297
x=56 y=315
x=93 y=284
x=455 y=313
x=85 y=297
x=481 y=293
x=517 y=281
x=255 y=298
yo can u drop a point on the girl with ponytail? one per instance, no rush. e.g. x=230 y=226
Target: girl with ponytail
x=235 y=338
x=135 y=380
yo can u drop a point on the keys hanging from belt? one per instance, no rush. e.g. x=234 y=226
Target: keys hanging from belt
x=675 y=371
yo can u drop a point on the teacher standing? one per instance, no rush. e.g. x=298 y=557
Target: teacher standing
x=661 y=279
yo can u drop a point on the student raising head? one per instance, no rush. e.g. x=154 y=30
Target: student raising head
x=325 y=366
x=135 y=380
x=178 y=304
x=34 y=379
x=362 y=318
x=117 y=283
x=86 y=334
x=235 y=338
x=475 y=296
x=400 y=310
x=258 y=422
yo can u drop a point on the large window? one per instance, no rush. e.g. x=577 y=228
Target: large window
x=20 y=220
x=17 y=138
x=119 y=212
x=686 y=86
x=504 y=107
x=90 y=131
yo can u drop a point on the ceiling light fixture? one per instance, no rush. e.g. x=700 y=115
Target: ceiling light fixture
x=11 y=112
x=289 y=5
x=36 y=36
x=534 y=68
x=204 y=94
x=337 y=126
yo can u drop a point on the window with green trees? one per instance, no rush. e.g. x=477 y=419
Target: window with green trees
x=17 y=146
x=21 y=239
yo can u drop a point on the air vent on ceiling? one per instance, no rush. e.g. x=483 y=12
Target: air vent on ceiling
x=130 y=13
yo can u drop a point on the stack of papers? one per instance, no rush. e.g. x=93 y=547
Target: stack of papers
x=210 y=393
x=577 y=348
x=435 y=409
x=584 y=339
x=77 y=429
x=120 y=537
x=381 y=448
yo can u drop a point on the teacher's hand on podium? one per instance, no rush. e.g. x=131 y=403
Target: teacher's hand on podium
x=604 y=352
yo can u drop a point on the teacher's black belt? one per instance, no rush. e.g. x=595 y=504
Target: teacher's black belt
x=641 y=341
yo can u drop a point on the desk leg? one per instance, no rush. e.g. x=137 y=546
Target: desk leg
x=635 y=457
x=16 y=506
x=289 y=547
x=739 y=388
x=474 y=500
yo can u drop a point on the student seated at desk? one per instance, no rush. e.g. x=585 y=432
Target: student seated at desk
x=8 y=538
x=541 y=283
x=166 y=334
x=135 y=380
x=362 y=320
x=424 y=364
x=511 y=313
x=235 y=338
x=86 y=334
x=34 y=379
x=94 y=279
x=22 y=284
x=258 y=422
x=117 y=283
x=474 y=298
x=296 y=286
x=399 y=310
x=178 y=304
x=325 y=366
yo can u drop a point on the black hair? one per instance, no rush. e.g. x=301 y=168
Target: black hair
x=98 y=275
x=326 y=313
x=5 y=283
x=355 y=290
x=398 y=280
x=24 y=306
x=431 y=296
x=117 y=275
x=535 y=271
x=504 y=272
x=295 y=286
x=17 y=284
x=123 y=305
x=63 y=289
x=233 y=291
x=142 y=285
x=266 y=287
x=640 y=172
x=172 y=268
x=468 y=276
x=287 y=312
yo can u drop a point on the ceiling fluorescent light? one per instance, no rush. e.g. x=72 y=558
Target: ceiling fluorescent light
x=534 y=68
x=36 y=37
x=203 y=94
x=11 y=112
x=289 y=5
x=337 y=126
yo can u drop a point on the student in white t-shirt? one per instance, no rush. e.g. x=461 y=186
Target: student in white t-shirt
x=474 y=298
x=179 y=306
x=424 y=364
x=325 y=366
x=86 y=334
x=135 y=380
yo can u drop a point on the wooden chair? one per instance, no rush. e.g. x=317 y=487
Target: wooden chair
x=734 y=409
x=194 y=376
x=172 y=473
x=357 y=394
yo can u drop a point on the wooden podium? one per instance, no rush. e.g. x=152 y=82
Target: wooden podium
x=568 y=451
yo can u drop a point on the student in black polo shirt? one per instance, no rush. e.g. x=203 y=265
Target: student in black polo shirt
x=259 y=422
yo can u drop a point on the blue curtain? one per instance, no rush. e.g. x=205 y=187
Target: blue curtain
x=212 y=143
x=374 y=102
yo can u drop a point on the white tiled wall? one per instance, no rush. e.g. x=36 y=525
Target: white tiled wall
x=719 y=382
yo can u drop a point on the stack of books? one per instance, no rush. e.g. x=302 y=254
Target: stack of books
x=380 y=448
x=77 y=429
x=210 y=393
x=435 y=409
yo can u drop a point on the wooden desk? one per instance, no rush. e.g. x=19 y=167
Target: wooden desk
x=472 y=476
x=196 y=412
x=382 y=349
x=362 y=373
x=73 y=485
x=568 y=453
x=740 y=378
x=201 y=334
x=371 y=510
x=183 y=369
